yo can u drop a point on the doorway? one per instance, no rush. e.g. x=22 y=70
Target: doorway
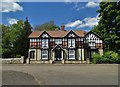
x=58 y=56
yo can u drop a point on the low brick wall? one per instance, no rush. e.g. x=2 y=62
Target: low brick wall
x=13 y=60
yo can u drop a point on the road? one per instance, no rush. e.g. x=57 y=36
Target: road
x=58 y=74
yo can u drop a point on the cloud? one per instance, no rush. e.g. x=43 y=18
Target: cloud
x=74 y=24
x=86 y=22
x=78 y=6
x=92 y=4
x=12 y=21
x=10 y=6
x=89 y=22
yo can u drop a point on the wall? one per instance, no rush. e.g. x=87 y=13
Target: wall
x=12 y=61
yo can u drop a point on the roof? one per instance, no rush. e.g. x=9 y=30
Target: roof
x=57 y=33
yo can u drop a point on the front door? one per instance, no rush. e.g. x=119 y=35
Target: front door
x=58 y=54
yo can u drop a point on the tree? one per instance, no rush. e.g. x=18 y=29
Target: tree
x=6 y=50
x=26 y=33
x=108 y=26
x=46 y=26
x=15 y=39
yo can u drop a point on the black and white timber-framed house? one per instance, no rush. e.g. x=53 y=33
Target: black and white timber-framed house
x=65 y=46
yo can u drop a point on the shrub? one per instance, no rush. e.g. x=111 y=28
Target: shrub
x=107 y=57
x=96 y=58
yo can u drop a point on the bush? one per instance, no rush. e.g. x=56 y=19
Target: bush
x=107 y=57
x=96 y=58
x=18 y=56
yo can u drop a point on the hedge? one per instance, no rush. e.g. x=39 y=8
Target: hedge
x=107 y=57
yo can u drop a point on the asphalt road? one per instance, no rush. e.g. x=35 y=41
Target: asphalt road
x=69 y=74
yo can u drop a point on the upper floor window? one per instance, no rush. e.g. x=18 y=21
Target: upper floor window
x=91 y=43
x=58 y=41
x=44 y=42
x=71 y=42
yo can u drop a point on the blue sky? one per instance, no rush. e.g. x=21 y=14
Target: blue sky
x=75 y=15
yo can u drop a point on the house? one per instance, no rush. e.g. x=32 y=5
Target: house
x=63 y=46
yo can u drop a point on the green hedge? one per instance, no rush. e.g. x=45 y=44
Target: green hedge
x=107 y=57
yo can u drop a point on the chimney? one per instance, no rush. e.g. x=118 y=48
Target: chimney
x=62 y=27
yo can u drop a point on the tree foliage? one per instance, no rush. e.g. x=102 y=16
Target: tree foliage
x=109 y=25
x=107 y=57
x=46 y=26
x=15 y=39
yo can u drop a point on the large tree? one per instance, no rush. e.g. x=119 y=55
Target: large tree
x=46 y=26
x=27 y=31
x=15 y=39
x=109 y=25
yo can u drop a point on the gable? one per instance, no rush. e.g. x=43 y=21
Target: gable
x=44 y=35
x=91 y=37
x=71 y=34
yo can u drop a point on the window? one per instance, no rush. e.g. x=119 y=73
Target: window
x=71 y=43
x=71 y=54
x=58 y=41
x=44 y=42
x=91 y=43
x=44 y=54
x=32 y=53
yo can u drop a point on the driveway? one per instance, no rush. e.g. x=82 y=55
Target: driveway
x=58 y=74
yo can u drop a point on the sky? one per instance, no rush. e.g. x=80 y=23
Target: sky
x=74 y=15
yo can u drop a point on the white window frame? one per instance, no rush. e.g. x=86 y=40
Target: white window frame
x=71 y=43
x=45 y=43
x=72 y=53
x=44 y=53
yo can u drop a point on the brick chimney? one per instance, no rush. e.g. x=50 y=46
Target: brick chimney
x=62 y=27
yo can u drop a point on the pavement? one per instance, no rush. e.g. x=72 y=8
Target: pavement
x=60 y=74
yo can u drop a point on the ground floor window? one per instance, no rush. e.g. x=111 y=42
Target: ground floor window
x=32 y=54
x=44 y=54
x=71 y=54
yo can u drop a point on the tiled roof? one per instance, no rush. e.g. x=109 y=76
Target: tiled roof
x=35 y=34
x=57 y=33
